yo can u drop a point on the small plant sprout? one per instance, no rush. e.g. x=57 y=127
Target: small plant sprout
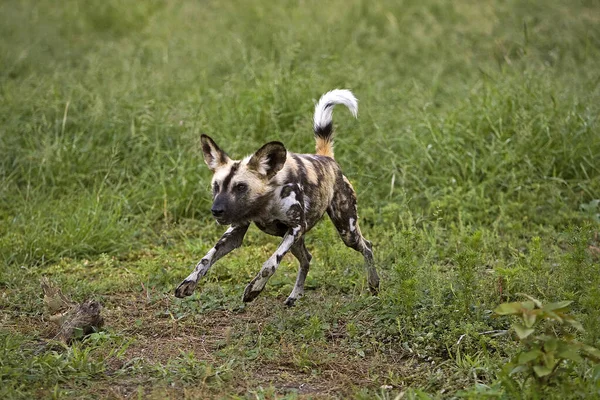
x=544 y=352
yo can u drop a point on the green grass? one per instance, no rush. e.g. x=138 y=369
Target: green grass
x=476 y=158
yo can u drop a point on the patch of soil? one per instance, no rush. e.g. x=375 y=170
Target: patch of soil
x=160 y=337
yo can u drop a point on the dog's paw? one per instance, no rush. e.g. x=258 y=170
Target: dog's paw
x=250 y=293
x=374 y=290
x=185 y=288
x=373 y=284
x=290 y=301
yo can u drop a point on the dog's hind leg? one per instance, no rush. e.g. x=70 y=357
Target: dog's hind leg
x=230 y=240
x=342 y=211
x=301 y=253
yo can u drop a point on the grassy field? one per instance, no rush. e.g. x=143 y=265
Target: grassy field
x=476 y=158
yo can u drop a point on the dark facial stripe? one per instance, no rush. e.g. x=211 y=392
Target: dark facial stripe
x=229 y=177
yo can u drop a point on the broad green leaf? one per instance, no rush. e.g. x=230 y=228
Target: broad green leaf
x=557 y=306
x=524 y=358
x=529 y=318
x=574 y=323
x=528 y=305
x=592 y=351
x=549 y=360
x=508 y=308
x=517 y=369
x=551 y=345
x=542 y=370
x=570 y=354
x=533 y=300
x=522 y=332
x=554 y=316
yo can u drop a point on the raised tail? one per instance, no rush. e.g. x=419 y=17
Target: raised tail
x=323 y=123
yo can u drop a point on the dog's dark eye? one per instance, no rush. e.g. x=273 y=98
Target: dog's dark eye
x=215 y=187
x=241 y=187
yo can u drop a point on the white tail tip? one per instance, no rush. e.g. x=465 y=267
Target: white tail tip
x=324 y=108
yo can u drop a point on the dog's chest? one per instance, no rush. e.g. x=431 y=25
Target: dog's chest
x=273 y=227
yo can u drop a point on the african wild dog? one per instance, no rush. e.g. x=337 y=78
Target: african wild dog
x=284 y=194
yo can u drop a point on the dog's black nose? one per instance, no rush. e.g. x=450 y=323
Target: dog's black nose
x=217 y=211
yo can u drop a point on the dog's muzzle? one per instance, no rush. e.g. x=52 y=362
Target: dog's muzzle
x=218 y=209
x=217 y=212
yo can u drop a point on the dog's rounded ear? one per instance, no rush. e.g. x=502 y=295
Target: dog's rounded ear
x=214 y=157
x=269 y=159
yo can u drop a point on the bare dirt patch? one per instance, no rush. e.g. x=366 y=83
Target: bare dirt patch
x=332 y=370
x=260 y=359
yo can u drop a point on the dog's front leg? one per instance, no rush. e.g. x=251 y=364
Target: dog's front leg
x=230 y=240
x=270 y=266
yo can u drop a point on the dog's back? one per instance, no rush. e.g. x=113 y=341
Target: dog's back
x=318 y=174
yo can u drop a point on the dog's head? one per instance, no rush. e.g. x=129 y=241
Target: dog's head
x=241 y=189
